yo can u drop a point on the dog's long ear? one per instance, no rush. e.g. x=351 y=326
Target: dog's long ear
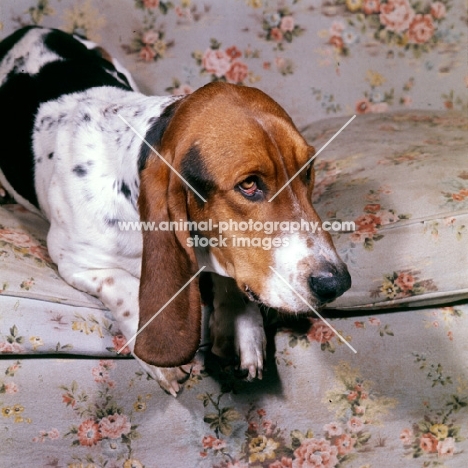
x=168 y=263
x=172 y=337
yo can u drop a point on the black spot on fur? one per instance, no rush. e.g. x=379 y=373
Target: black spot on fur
x=86 y=118
x=125 y=190
x=50 y=155
x=19 y=64
x=194 y=171
x=111 y=222
x=79 y=170
x=130 y=144
x=46 y=123
x=158 y=126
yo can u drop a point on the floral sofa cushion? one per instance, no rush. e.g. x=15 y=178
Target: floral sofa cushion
x=26 y=269
x=39 y=312
x=402 y=178
x=402 y=401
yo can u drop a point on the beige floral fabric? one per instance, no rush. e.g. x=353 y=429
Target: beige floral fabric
x=317 y=58
x=36 y=303
x=402 y=179
x=400 y=401
x=26 y=269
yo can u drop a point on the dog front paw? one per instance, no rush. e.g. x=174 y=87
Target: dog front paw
x=168 y=378
x=251 y=349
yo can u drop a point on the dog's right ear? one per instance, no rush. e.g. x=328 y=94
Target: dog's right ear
x=168 y=263
x=171 y=338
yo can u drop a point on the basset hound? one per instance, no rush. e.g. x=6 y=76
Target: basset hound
x=72 y=149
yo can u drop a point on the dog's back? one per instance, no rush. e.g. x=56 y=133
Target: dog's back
x=39 y=65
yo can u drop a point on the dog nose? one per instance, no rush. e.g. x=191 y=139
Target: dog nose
x=330 y=283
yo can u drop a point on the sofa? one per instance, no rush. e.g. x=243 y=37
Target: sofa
x=67 y=399
x=398 y=171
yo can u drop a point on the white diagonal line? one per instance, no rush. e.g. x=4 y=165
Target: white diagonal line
x=160 y=157
x=161 y=309
x=318 y=315
x=313 y=157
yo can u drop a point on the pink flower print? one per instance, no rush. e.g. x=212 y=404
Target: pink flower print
x=88 y=433
x=238 y=71
x=114 y=426
x=344 y=444
x=355 y=424
x=333 y=429
x=313 y=453
x=216 y=62
x=287 y=23
x=421 y=29
x=406 y=436
x=438 y=10
x=396 y=15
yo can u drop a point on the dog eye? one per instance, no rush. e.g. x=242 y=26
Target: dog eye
x=249 y=187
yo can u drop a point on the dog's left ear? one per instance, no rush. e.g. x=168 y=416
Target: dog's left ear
x=172 y=337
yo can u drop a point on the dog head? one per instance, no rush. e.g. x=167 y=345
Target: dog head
x=229 y=150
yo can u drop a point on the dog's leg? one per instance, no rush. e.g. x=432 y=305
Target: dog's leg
x=236 y=326
x=118 y=290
